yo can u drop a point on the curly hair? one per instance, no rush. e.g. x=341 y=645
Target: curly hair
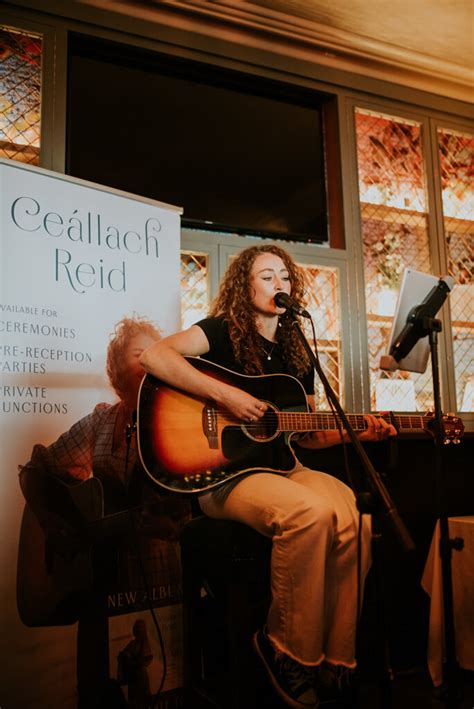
x=231 y=303
x=124 y=331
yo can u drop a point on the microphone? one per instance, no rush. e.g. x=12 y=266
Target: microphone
x=415 y=329
x=283 y=300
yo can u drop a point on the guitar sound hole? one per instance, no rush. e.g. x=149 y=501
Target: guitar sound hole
x=266 y=428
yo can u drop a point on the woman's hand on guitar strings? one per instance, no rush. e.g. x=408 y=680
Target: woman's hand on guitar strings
x=242 y=405
x=377 y=429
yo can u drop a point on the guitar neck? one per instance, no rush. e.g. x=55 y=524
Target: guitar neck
x=302 y=422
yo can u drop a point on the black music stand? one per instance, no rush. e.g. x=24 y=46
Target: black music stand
x=421 y=324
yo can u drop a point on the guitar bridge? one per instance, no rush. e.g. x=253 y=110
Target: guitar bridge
x=209 y=425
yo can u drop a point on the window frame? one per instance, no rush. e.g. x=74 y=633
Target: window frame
x=436 y=235
x=53 y=86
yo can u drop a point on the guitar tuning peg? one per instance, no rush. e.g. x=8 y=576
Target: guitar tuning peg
x=456 y=441
x=447 y=441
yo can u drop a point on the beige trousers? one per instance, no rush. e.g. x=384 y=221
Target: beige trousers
x=313 y=521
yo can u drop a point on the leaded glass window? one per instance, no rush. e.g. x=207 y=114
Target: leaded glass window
x=393 y=203
x=323 y=304
x=456 y=154
x=20 y=95
x=194 y=287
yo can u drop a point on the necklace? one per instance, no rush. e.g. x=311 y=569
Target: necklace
x=268 y=353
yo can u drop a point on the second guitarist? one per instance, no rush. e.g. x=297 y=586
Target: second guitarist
x=97 y=446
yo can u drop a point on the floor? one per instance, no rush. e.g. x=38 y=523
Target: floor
x=236 y=680
x=411 y=690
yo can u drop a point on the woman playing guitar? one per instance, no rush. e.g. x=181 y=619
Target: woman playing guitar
x=308 y=644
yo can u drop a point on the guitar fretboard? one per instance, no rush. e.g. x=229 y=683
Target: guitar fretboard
x=295 y=421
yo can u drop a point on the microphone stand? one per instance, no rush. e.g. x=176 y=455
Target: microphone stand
x=378 y=501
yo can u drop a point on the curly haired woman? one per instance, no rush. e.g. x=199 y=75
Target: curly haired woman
x=310 y=516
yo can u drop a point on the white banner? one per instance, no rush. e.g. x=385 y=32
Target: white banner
x=75 y=259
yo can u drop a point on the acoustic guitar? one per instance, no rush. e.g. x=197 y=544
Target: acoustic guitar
x=188 y=444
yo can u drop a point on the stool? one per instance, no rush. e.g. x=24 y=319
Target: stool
x=226 y=595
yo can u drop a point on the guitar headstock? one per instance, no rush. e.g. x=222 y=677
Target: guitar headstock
x=453 y=427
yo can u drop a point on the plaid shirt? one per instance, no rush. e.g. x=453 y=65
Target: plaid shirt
x=87 y=449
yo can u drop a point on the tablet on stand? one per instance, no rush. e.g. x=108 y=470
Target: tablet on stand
x=414 y=288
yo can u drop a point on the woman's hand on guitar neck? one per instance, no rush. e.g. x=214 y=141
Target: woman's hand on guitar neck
x=377 y=429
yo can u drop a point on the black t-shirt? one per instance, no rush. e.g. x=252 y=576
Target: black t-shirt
x=221 y=352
